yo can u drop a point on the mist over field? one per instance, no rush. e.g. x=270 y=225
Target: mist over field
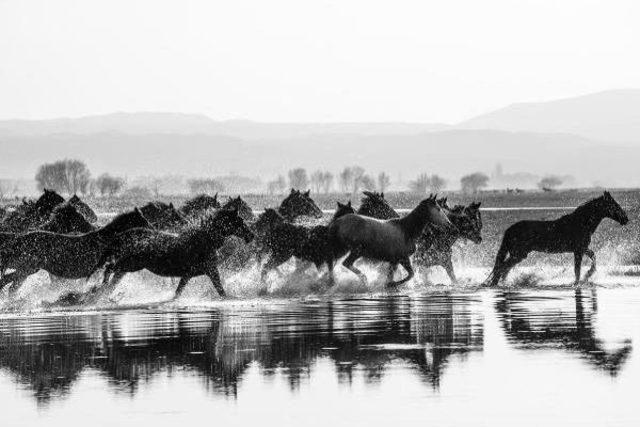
x=591 y=138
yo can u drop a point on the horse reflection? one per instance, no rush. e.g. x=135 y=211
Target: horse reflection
x=548 y=328
x=219 y=347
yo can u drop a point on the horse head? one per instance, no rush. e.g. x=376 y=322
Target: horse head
x=435 y=214
x=66 y=219
x=48 y=201
x=268 y=220
x=228 y=222
x=126 y=221
x=343 y=209
x=83 y=208
x=468 y=220
x=200 y=203
x=297 y=204
x=376 y=206
x=242 y=207
x=613 y=210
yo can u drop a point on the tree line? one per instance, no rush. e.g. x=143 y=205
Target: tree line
x=72 y=176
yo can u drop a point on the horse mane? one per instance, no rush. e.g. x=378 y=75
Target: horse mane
x=586 y=207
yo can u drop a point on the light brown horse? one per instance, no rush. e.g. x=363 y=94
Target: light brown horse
x=392 y=240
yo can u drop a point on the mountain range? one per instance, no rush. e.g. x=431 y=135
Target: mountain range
x=595 y=138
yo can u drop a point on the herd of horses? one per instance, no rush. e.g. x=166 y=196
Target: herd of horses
x=61 y=237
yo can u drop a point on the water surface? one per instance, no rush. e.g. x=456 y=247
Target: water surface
x=557 y=357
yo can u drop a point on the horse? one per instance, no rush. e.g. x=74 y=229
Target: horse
x=199 y=204
x=243 y=208
x=282 y=240
x=375 y=205
x=298 y=204
x=83 y=208
x=62 y=255
x=392 y=240
x=189 y=254
x=163 y=216
x=434 y=247
x=65 y=219
x=31 y=214
x=569 y=233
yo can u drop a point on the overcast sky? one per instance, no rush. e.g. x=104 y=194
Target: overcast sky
x=296 y=60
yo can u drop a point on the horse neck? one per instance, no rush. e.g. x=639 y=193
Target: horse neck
x=589 y=216
x=413 y=223
x=286 y=213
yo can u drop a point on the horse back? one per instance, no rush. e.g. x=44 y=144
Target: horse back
x=378 y=239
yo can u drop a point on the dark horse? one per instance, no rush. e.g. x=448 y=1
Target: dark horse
x=189 y=254
x=376 y=206
x=200 y=204
x=63 y=255
x=281 y=240
x=569 y=233
x=83 y=208
x=392 y=240
x=298 y=204
x=434 y=247
x=31 y=214
x=65 y=219
x=163 y=216
x=243 y=208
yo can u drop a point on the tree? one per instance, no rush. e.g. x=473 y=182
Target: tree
x=278 y=185
x=550 y=182
x=346 y=178
x=367 y=183
x=65 y=176
x=327 y=182
x=427 y=183
x=316 y=181
x=109 y=185
x=474 y=182
x=383 y=182
x=205 y=185
x=298 y=179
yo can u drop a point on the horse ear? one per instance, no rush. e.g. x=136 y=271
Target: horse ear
x=307 y=193
x=292 y=191
x=137 y=210
x=382 y=194
x=349 y=203
x=340 y=205
x=171 y=205
x=215 y=197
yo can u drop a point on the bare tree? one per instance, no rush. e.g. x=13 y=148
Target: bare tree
x=366 y=183
x=474 y=182
x=346 y=178
x=205 y=185
x=383 y=182
x=69 y=175
x=317 y=181
x=109 y=185
x=327 y=182
x=427 y=183
x=277 y=186
x=298 y=179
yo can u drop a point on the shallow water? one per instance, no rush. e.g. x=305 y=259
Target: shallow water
x=488 y=357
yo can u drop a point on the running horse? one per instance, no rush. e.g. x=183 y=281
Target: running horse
x=63 y=255
x=392 y=241
x=569 y=233
x=189 y=254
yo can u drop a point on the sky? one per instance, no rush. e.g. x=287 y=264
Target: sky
x=293 y=60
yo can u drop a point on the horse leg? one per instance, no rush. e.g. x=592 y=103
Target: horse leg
x=498 y=269
x=591 y=270
x=108 y=286
x=214 y=276
x=406 y=263
x=577 y=265
x=511 y=262
x=183 y=282
x=392 y=269
x=273 y=262
x=448 y=265
x=348 y=263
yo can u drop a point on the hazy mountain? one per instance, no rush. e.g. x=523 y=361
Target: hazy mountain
x=188 y=124
x=449 y=153
x=608 y=116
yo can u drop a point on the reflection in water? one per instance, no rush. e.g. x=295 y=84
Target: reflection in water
x=444 y=359
x=49 y=353
x=538 y=321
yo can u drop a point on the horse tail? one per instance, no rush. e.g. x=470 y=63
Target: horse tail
x=501 y=256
